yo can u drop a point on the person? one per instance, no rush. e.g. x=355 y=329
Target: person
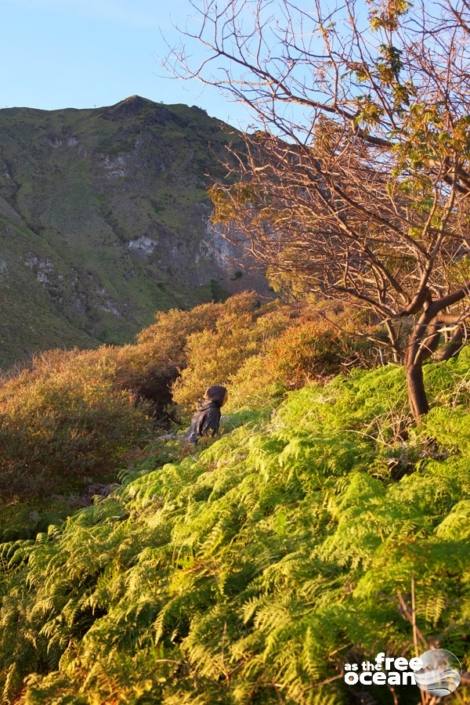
x=206 y=420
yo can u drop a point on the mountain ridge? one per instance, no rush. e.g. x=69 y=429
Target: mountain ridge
x=104 y=218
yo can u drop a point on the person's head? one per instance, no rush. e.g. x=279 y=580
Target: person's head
x=216 y=393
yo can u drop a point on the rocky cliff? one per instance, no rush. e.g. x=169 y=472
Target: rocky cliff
x=104 y=218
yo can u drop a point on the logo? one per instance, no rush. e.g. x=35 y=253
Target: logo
x=437 y=672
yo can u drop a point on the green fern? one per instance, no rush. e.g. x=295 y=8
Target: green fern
x=248 y=572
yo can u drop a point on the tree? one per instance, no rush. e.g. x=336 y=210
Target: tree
x=356 y=183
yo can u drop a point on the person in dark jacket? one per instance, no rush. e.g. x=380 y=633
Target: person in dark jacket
x=206 y=420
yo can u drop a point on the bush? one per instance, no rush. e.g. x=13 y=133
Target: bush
x=65 y=421
x=308 y=350
x=213 y=356
x=150 y=366
x=261 y=353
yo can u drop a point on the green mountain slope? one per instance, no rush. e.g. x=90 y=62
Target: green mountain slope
x=251 y=572
x=103 y=219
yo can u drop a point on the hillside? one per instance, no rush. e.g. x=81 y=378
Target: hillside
x=104 y=219
x=252 y=570
x=71 y=420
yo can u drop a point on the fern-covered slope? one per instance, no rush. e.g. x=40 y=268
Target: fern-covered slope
x=249 y=573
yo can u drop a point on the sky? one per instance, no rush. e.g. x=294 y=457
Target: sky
x=85 y=53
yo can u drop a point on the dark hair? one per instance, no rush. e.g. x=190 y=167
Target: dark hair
x=216 y=393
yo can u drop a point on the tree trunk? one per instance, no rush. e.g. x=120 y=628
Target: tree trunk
x=416 y=393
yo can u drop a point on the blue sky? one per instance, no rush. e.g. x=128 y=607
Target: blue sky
x=82 y=53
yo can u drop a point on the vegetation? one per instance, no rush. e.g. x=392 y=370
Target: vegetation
x=72 y=419
x=251 y=571
x=310 y=348
x=239 y=333
x=325 y=525
x=356 y=184
x=63 y=421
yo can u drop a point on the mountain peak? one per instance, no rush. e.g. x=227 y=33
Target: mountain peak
x=135 y=100
x=129 y=106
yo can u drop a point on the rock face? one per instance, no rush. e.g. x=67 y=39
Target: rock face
x=104 y=218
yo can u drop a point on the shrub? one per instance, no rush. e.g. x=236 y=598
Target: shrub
x=259 y=354
x=72 y=417
x=65 y=421
x=153 y=363
x=149 y=367
x=213 y=356
x=318 y=342
x=308 y=350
